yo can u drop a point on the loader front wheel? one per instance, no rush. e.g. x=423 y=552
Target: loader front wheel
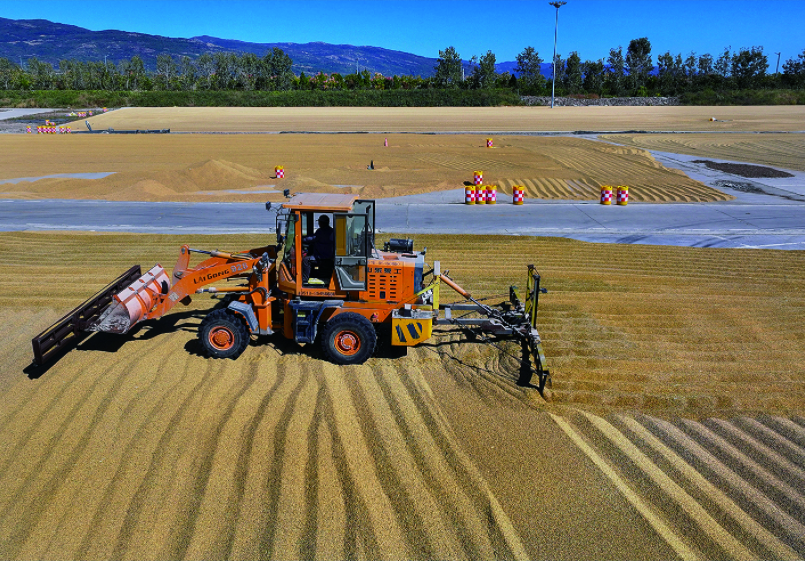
x=223 y=334
x=348 y=338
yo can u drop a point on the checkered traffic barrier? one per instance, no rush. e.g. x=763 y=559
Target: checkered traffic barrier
x=489 y=143
x=477 y=178
x=491 y=194
x=28 y=129
x=606 y=195
x=469 y=195
x=480 y=195
x=279 y=171
x=623 y=195
x=518 y=194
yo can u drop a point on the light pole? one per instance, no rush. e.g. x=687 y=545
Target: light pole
x=556 y=5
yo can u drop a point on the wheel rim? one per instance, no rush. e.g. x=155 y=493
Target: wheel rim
x=222 y=338
x=347 y=343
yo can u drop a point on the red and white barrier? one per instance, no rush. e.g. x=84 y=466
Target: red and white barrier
x=623 y=195
x=518 y=194
x=606 y=195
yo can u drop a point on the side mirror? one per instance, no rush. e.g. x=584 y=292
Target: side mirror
x=268 y=205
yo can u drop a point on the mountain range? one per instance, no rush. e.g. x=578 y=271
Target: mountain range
x=51 y=42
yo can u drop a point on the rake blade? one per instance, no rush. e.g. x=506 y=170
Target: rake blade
x=70 y=329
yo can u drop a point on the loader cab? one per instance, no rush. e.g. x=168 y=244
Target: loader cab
x=352 y=221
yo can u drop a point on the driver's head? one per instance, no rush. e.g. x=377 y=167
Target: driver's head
x=324 y=220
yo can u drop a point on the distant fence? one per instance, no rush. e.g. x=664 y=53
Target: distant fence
x=582 y=102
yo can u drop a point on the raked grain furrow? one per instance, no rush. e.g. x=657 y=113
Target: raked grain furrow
x=782 y=150
x=60 y=448
x=699 y=498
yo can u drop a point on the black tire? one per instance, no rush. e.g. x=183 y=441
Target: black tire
x=223 y=334
x=348 y=338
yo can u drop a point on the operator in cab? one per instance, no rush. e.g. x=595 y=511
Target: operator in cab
x=321 y=249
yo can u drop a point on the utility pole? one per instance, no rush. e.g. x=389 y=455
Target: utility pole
x=777 y=71
x=556 y=5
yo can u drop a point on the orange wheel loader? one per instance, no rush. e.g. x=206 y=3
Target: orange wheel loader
x=331 y=287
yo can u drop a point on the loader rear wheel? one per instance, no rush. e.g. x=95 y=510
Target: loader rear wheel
x=223 y=334
x=348 y=338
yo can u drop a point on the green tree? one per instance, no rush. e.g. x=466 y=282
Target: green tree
x=8 y=73
x=166 y=72
x=187 y=74
x=111 y=77
x=133 y=72
x=749 y=67
x=278 y=68
x=638 y=62
x=705 y=65
x=248 y=70
x=448 y=69
x=224 y=64
x=593 y=76
x=529 y=71
x=42 y=74
x=669 y=72
x=794 y=71
x=573 y=78
x=689 y=69
x=615 y=78
x=724 y=63
x=559 y=65
x=206 y=70
x=484 y=75
x=71 y=74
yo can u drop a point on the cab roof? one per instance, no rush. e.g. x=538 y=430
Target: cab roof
x=324 y=202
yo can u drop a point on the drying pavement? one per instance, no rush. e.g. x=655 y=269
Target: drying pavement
x=673 y=427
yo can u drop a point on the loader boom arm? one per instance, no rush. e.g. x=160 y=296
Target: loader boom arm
x=221 y=266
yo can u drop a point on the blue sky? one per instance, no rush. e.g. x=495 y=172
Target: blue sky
x=473 y=27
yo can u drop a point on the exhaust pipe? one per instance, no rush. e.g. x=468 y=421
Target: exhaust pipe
x=132 y=304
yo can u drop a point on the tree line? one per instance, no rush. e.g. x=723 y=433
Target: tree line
x=632 y=73
x=629 y=73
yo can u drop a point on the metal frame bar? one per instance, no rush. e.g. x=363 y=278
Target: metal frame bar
x=66 y=331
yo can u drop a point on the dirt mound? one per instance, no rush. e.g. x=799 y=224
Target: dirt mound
x=236 y=168
x=221 y=172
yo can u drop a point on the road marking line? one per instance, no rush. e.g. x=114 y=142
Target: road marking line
x=778 y=549
x=660 y=526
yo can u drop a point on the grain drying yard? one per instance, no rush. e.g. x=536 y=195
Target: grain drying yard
x=673 y=428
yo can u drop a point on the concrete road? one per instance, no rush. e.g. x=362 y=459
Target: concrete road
x=14 y=113
x=741 y=224
x=767 y=213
